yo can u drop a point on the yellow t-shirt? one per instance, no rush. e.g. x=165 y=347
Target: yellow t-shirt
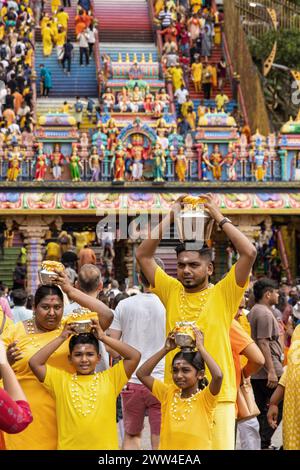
x=214 y=320
x=193 y=433
x=98 y=429
x=42 y=432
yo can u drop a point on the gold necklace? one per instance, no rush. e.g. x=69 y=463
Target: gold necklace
x=90 y=401
x=186 y=309
x=188 y=405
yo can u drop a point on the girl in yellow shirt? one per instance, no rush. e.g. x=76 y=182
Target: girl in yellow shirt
x=187 y=407
x=85 y=400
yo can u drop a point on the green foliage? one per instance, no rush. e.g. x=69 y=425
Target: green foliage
x=288 y=46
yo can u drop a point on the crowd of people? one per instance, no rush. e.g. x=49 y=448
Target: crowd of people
x=16 y=61
x=241 y=331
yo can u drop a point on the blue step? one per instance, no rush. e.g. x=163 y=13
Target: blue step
x=81 y=82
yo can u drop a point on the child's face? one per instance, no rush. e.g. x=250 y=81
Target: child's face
x=185 y=376
x=84 y=358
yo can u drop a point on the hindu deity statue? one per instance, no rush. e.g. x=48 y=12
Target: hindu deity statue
x=112 y=133
x=230 y=162
x=15 y=158
x=216 y=162
x=163 y=140
x=75 y=164
x=119 y=162
x=95 y=164
x=148 y=103
x=137 y=164
x=161 y=124
x=259 y=164
x=57 y=160
x=99 y=137
x=109 y=100
x=159 y=163
x=123 y=100
x=181 y=164
x=136 y=97
x=205 y=164
x=175 y=140
x=41 y=164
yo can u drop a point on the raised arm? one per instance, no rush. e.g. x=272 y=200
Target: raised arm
x=105 y=314
x=243 y=246
x=146 y=251
x=144 y=372
x=214 y=369
x=131 y=355
x=38 y=362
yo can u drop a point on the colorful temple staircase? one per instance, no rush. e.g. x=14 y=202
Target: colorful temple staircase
x=123 y=21
x=196 y=97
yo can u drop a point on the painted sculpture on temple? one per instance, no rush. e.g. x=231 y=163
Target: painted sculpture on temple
x=95 y=164
x=75 y=164
x=230 y=162
x=137 y=164
x=15 y=158
x=159 y=163
x=175 y=140
x=41 y=164
x=99 y=137
x=181 y=164
x=57 y=160
x=119 y=163
x=216 y=163
x=109 y=100
x=205 y=164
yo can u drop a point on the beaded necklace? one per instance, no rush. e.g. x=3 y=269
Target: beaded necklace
x=188 y=405
x=186 y=308
x=86 y=409
x=31 y=332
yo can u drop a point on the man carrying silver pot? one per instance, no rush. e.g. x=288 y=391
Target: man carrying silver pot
x=192 y=298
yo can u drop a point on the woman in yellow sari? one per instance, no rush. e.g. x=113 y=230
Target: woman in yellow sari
x=47 y=40
x=23 y=340
x=289 y=391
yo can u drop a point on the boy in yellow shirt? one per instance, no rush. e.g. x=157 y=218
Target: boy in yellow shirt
x=188 y=406
x=85 y=400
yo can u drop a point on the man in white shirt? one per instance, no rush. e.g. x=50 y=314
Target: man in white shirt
x=20 y=312
x=140 y=321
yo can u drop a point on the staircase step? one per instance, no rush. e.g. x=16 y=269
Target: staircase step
x=82 y=81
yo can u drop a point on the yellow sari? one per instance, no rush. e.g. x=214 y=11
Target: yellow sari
x=42 y=432
x=47 y=41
